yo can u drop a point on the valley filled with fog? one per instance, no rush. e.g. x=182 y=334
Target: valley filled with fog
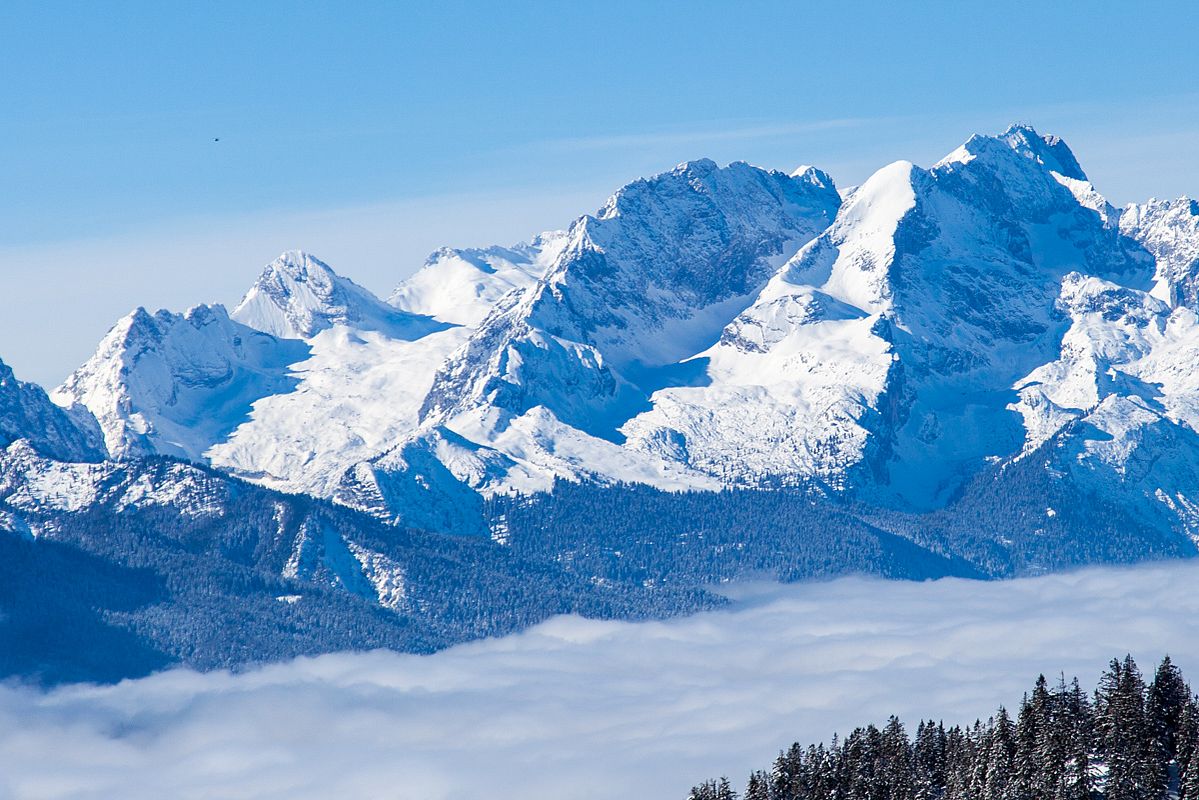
x=589 y=709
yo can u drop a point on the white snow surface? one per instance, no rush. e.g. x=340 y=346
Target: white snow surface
x=461 y=286
x=298 y=296
x=29 y=481
x=26 y=412
x=32 y=482
x=175 y=384
x=1121 y=403
x=357 y=394
x=1169 y=230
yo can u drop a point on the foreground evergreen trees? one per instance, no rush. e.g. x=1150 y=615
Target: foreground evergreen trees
x=1128 y=741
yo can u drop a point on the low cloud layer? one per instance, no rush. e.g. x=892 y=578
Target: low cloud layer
x=583 y=709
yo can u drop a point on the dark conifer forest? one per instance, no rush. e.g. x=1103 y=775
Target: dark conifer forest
x=1128 y=740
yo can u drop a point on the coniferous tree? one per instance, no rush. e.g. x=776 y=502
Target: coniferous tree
x=787 y=774
x=713 y=790
x=839 y=769
x=822 y=772
x=1077 y=721
x=1001 y=760
x=1188 y=788
x=981 y=736
x=959 y=761
x=1053 y=739
x=758 y=787
x=1030 y=769
x=898 y=773
x=929 y=761
x=1063 y=746
x=1135 y=768
x=858 y=755
x=1188 y=736
x=1168 y=697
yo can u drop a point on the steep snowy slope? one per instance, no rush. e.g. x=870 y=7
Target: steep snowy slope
x=462 y=286
x=541 y=387
x=1120 y=405
x=369 y=368
x=889 y=345
x=27 y=413
x=298 y=296
x=360 y=392
x=437 y=478
x=1169 y=230
x=649 y=280
x=356 y=395
x=292 y=413
x=174 y=384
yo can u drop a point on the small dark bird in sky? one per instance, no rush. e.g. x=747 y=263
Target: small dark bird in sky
x=217 y=139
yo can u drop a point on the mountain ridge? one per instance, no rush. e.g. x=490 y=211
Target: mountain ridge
x=647 y=341
x=980 y=368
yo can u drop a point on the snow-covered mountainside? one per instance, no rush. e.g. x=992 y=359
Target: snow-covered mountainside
x=359 y=391
x=462 y=286
x=309 y=375
x=1170 y=231
x=541 y=387
x=890 y=344
x=1121 y=402
x=356 y=394
x=298 y=296
x=709 y=327
x=27 y=413
x=644 y=283
x=704 y=330
x=175 y=384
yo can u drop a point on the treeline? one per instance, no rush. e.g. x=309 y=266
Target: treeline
x=999 y=526
x=223 y=574
x=1127 y=741
x=638 y=535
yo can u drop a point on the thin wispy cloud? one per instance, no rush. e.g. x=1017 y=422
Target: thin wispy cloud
x=579 y=709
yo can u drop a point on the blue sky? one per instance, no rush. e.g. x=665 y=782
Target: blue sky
x=371 y=133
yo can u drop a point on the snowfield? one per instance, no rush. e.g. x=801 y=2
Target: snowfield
x=588 y=710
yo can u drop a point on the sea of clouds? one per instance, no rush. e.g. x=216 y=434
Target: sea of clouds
x=580 y=708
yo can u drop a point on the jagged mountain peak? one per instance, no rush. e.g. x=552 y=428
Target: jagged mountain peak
x=700 y=230
x=301 y=265
x=813 y=175
x=173 y=384
x=726 y=190
x=140 y=327
x=27 y=414
x=297 y=296
x=651 y=279
x=1049 y=152
x=1169 y=230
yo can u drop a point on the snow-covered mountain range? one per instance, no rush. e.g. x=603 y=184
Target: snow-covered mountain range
x=710 y=328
